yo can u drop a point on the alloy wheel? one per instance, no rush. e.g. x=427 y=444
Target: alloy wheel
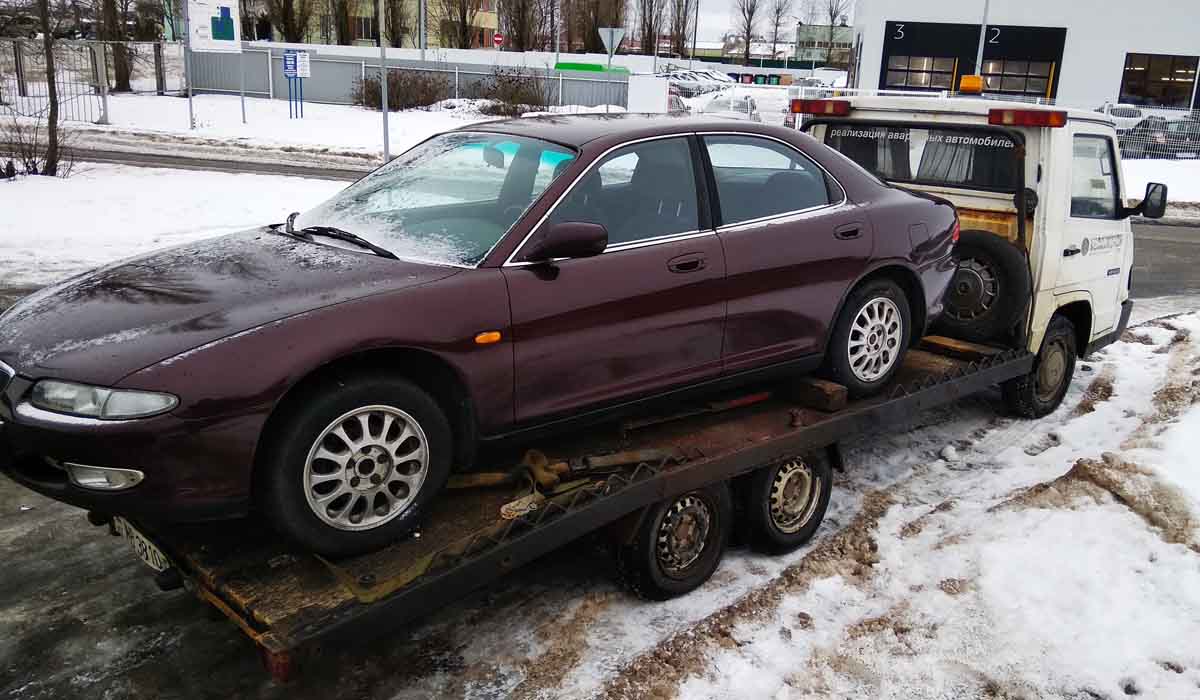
x=875 y=338
x=366 y=467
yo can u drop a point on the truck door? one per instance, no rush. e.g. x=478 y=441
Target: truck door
x=1095 y=237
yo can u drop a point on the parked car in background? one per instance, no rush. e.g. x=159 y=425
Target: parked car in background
x=831 y=77
x=741 y=107
x=329 y=372
x=1158 y=137
x=676 y=105
x=1124 y=116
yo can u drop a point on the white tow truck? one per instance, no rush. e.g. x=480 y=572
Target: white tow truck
x=1046 y=253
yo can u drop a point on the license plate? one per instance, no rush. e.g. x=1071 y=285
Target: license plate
x=141 y=545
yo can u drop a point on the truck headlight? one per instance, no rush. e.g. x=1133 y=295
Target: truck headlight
x=98 y=402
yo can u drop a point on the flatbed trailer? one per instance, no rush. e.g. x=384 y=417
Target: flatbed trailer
x=290 y=602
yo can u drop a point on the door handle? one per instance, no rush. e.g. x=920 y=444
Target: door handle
x=692 y=262
x=1073 y=250
x=847 y=232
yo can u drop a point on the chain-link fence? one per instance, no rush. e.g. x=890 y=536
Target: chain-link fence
x=25 y=90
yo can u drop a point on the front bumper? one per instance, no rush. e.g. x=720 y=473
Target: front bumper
x=193 y=469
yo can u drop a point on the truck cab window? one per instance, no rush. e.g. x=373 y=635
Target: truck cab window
x=1093 y=178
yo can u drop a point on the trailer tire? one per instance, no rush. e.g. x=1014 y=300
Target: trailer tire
x=786 y=502
x=877 y=302
x=667 y=557
x=1041 y=391
x=989 y=290
x=411 y=469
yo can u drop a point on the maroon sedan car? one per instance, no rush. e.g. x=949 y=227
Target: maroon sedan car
x=330 y=372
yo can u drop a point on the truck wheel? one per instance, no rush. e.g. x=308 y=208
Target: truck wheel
x=870 y=338
x=1042 y=390
x=989 y=290
x=785 y=503
x=353 y=464
x=678 y=545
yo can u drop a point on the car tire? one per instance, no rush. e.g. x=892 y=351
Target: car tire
x=869 y=340
x=1041 y=391
x=786 y=502
x=379 y=442
x=660 y=564
x=989 y=290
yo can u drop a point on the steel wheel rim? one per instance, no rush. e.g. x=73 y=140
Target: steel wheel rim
x=1051 y=370
x=366 y=467
x=683 y=535
x=973 y=291
x=793 y=496
x=874 y=342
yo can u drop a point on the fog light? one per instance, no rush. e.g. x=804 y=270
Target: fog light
x=103 y=478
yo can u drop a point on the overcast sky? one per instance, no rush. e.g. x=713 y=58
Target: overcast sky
x=716 y=18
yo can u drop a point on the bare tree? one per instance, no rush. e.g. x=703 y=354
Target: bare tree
x=291 y=17
x=835 y=12
x=594 y=14
x=396 y=24
x=650 y=19
x=456 y=21
x=777 y=14
x=518 y=23
x=745 y=22
x=343 y=27
x=682 y=20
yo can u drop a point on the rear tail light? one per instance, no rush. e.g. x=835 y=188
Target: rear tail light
x=1027 y=117
x=954 y=233
x=828 y=108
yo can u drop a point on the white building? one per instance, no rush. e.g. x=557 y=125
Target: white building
x=1080 y=52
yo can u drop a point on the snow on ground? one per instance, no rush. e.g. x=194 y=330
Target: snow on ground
x=1182 y=178
x=56 y=227
x=1058 y=558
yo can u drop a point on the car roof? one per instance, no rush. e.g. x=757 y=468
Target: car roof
x=579 y=129
x=963 y=105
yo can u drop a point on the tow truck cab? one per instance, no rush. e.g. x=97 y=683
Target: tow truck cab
x=996 y=160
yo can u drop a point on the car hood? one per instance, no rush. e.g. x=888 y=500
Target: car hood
x=102 y=325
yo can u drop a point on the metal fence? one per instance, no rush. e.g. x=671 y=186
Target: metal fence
x=25 y=90
x=334 y=77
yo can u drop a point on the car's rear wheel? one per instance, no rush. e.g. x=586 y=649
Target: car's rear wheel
x=352 y=463
x=870 y=337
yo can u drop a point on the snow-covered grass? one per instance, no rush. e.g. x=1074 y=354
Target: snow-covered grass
x=54 y=227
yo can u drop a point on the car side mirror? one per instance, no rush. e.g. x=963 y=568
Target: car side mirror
x=1154 y=205
x=567 y=239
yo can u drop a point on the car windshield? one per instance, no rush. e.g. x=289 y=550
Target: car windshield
x=450 y=199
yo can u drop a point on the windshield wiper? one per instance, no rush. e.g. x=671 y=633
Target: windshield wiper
x=338 y=234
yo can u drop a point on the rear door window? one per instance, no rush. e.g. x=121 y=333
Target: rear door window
x=980 y=159
x=758 y=178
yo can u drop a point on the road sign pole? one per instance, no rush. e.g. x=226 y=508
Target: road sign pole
x=982 y=39
x=695 y=28
x=383 y=85
x=187 y=63
x=242 y=82
x=421 y=29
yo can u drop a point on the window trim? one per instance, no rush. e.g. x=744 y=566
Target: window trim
x=1112 y=162
x=627 y=245
x=720 y=224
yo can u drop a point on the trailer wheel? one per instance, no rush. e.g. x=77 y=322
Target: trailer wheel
x=1041 y=391
x=354 y=463
x=786 y=502
x=678 y=545
x=989 y=289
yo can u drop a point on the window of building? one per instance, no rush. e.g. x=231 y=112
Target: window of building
x=920 y=72
x=1155 y=79
x=1018 y=77
x=362 y=28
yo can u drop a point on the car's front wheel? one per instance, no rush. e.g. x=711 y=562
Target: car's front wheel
x=353 y=462
x=870 y=337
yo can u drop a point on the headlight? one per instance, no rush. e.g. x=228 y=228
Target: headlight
x=98 y=402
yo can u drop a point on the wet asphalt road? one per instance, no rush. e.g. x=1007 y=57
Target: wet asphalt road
x=80 y=618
